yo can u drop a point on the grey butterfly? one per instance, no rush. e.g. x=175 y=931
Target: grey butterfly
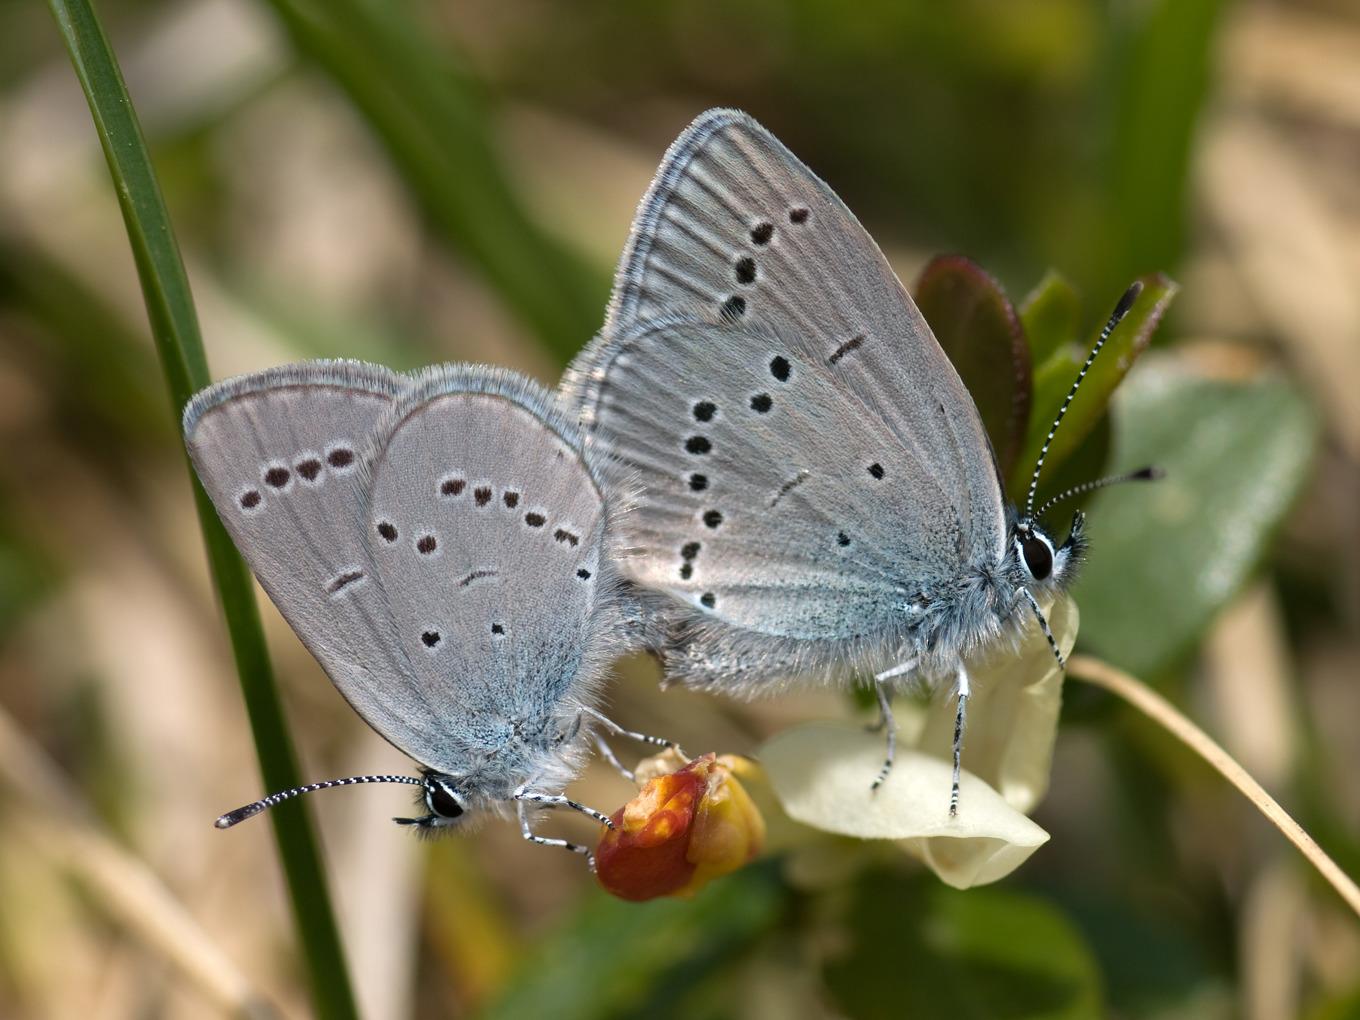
x=817 y=490
x=442 y=546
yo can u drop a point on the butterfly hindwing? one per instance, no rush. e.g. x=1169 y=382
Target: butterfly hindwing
x=488 y=529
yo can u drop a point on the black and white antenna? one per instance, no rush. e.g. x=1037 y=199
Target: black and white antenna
x=1120 y=310
x=1145 y=474
x=250 y=810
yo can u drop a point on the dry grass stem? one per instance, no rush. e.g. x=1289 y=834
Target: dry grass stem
x=56 y=817
x=1162 y=712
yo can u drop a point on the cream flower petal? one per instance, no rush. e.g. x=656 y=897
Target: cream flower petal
x=821 y=774
x=1012 y=713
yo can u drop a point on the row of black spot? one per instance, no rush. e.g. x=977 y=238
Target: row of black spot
x=309 y=468
x=688 y=553
x=763 y=232
x=428 y=543
x=431 y=638
x=745 y=270
x=451 y=488
x=761 y=403
x=704 y=411
x=699 y=445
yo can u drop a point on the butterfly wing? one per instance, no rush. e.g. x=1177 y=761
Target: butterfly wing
x=758 y=338
x=487 y=529
x=279 y=453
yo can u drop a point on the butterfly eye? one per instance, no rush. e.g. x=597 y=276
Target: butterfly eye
x=442 y=800
x=1038 y=556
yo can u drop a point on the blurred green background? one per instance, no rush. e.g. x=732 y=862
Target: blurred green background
x=434 y=181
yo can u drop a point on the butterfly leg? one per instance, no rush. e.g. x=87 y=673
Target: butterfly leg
x=607 y=753
x=1043 y=625
x=552 y=800
x=901 y=669
x=528 y=833
x=960 y=713
x=642 y=738
x=887 y=722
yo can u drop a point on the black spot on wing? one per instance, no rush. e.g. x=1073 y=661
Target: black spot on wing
x=850 y=345
x=344 y=580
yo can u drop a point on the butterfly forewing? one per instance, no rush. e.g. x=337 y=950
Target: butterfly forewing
x=279 y=453
x=486 y=529
x=846 y=458
x=735 y=227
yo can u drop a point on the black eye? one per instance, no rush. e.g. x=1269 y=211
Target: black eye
x=1038 y=556
x=442 y=801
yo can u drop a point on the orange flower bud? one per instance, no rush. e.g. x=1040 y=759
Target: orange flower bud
x=682 y=830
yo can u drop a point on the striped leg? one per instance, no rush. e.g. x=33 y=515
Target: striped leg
x=528 y=833
x=619 y=731
x=607 y=753
x=960 y=715
x=552 y=800
x=886 y=721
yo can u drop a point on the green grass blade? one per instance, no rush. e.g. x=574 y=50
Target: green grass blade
x=174 y=325
x=1164 y=78
x=439 y=137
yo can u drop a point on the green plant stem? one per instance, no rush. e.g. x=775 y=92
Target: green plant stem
x=174 y=326
x=1166 y=715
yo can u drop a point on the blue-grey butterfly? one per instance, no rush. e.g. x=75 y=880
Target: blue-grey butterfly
x=442 y=546
x=817 y=490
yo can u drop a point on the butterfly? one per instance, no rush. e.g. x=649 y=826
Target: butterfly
x=816 y=490
x=444 y=548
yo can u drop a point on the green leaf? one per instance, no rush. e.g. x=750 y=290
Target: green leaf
x=1166 y=556
x=174 y=327
x=1341 y=1007
x=1152 y=960
x=920 y=949
x=1049 y=315
x=1161 y=73
x=440 y=139
x=617 y=959
x=1054 y=378
x=978 y=328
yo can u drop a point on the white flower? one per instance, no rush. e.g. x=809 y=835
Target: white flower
x=821 y=772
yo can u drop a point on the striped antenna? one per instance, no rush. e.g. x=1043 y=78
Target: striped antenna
x=1120 y=310
x=250 y=810
x=1147 y=474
